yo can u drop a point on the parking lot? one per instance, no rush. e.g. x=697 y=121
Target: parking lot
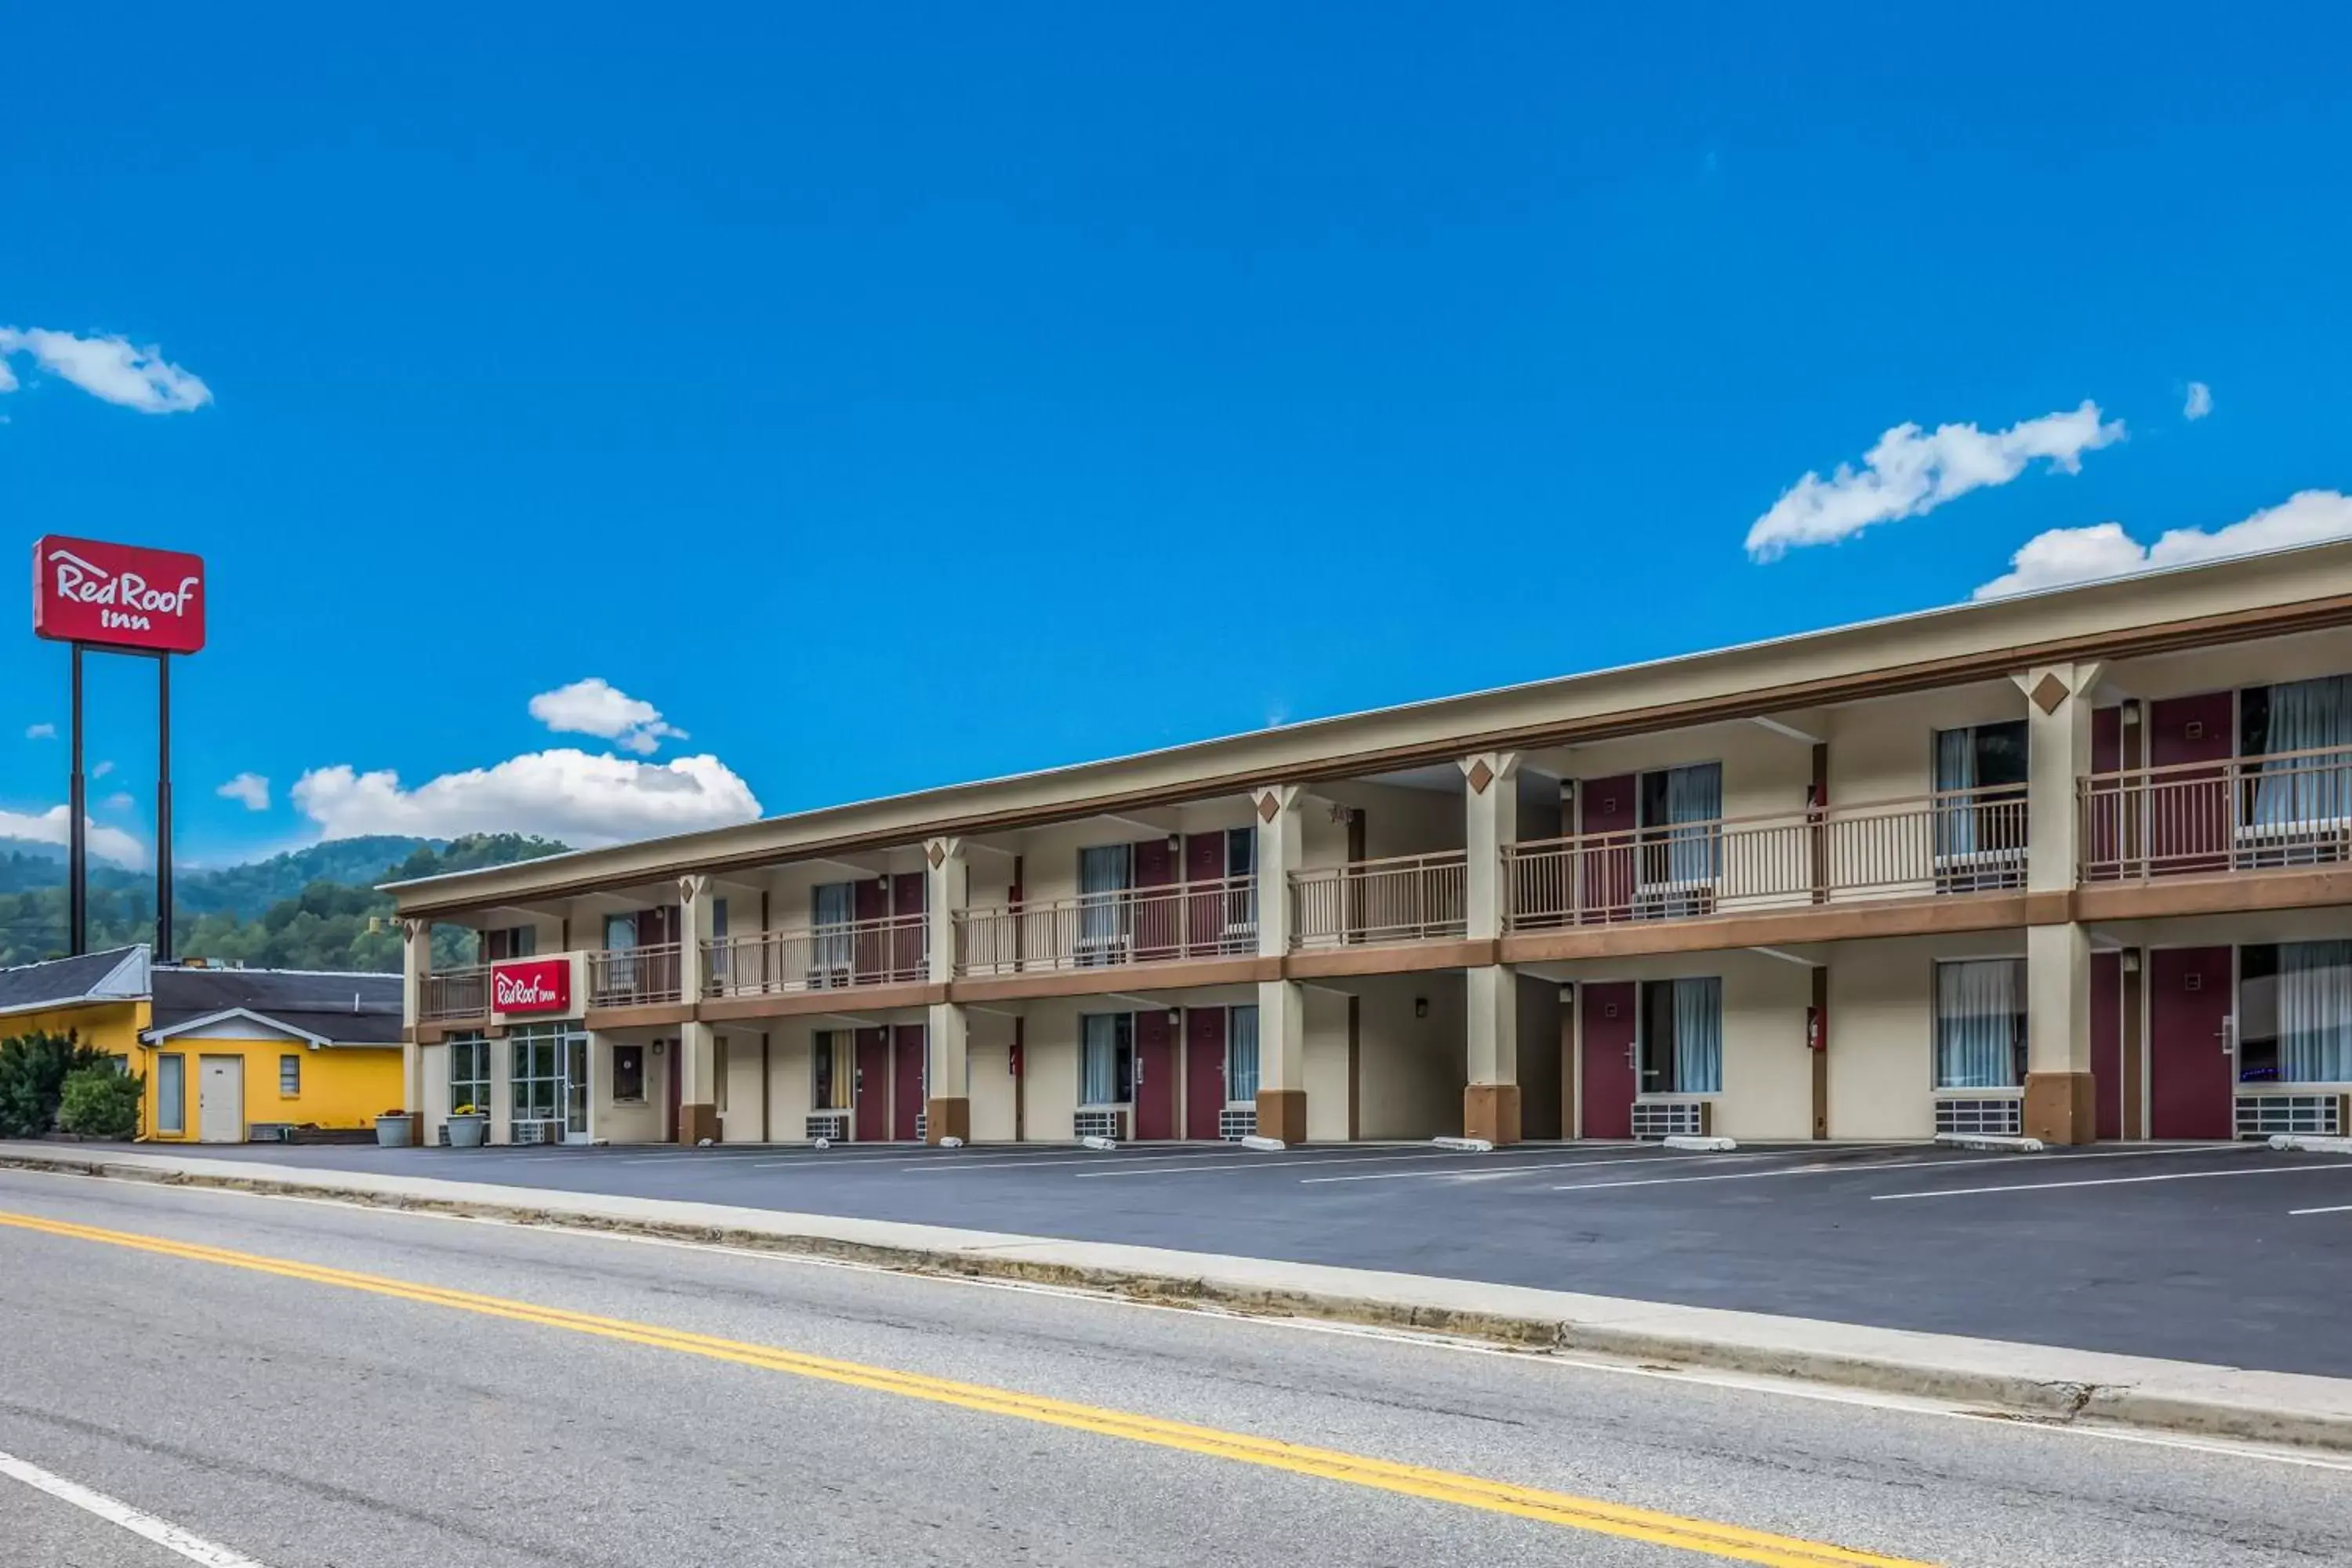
x=2230 y=1253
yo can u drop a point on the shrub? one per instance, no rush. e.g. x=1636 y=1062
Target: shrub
x=101 y=1102
x=33 y=1071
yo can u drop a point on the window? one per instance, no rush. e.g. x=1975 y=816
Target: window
x=1106 y=1059
x=289 y=1076
x=538 y=1074
x=1241 y=1054
x=469 y=1073
x=1980 y=1023
x=1679 y=1035
x=1681 y=811
x=628 y=1075
x=2299 y=718
x=718 y=918
x=1240 y=852
x=1106 y=873
x=835 y=1078
x=512 y=941
x=172 y=1093
x=831 y=906
x=2294 y=1013
x=1979 y=811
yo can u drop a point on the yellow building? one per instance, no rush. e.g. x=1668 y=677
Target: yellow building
x=228 y=1055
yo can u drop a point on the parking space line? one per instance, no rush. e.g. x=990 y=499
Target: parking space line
x=1310 y=1157
x=1884 y=1167
x=2332 y=1208
x=2108 y=1181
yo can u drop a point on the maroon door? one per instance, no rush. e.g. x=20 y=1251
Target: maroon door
x=1158 y=916
x=1204 y=912
x=2107 y=1044
x=1204 y=1071
x=907 y=1079
x=1607 y=806
x=2188 y=1072
x=1606 y=1099
x=872 y=1097
x=907 y=895
x=1155 y=1075
x=2108 y=801
x=2189 y=812
x=869 y=946
x=673 y=1080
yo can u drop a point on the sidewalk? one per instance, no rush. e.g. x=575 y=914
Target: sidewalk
x=2045 y=1381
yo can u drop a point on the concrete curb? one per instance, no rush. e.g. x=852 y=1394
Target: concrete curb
x=2039 y=1383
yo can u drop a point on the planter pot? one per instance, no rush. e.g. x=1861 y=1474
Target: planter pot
x=393 y=1132
x=468 y=1132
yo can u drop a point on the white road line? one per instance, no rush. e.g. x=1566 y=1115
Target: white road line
x=2108 y=1181
x=2333 y=1208
x=1897 y=1167
x=163 y=1532
x=1495 y=1172
x=1308 y=1158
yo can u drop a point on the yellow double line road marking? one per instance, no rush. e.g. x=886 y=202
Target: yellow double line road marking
x=1589 y=1514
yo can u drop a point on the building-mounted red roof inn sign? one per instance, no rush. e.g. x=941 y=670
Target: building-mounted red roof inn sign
x=118 y=596
x=532 y=986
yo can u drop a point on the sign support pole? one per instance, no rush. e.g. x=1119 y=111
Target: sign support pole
x=163 y=808
x=77 y=834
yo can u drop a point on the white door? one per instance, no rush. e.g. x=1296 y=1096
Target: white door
x=220 y=1101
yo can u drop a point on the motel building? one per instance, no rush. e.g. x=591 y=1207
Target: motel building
x=2075 y=865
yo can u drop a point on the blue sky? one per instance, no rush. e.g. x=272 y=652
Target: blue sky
x=891 y=395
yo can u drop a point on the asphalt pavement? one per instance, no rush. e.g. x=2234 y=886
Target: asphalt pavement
x=2234 y=1255
x=497 y=1395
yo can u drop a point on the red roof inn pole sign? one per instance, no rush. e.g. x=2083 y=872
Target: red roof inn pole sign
x=119 y=598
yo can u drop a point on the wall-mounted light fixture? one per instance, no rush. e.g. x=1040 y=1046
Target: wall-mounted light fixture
x=1421 y=1006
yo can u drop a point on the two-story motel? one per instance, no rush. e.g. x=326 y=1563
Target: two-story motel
x=2077 y=864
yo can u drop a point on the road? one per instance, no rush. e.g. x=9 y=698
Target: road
x=301 y=1384
x=2226 y=1253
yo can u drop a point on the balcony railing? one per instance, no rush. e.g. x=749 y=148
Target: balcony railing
x=1956 y=841
x=892 y=951
x=455 y=993
x=635 y=976
x=2246 y=814
x=1093 y=931
x=1406 y=898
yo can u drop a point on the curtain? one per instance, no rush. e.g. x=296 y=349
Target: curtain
x=1956 y=768
x=1699 y=1036
x=1694 y=810
x=2314 y=1004
x=1977 y=1006
x=2305 y=715
x=1241 y=1054
x=1098 y=1059
x=1104 y=873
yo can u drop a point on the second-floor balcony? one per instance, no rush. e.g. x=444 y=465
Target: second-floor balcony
x=2271 y=813
x=1127 y=925
x=1403 y=898
x=635 y=976
x=893 y=950
x=454 y=995
x=1955 y=841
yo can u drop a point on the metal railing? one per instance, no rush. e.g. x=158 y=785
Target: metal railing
x=2263 y=813
x=1133 y=925
x=1955 y=841
x=1403 y=898
x=894 y=950
x=634 y=976
x=455 y=993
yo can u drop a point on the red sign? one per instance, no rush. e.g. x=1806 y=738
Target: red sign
x=118 y=596
x=532 y=986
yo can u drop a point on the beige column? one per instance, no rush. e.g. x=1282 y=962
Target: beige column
x=698 y=1054
x=1281 y=1006
x=415 y=964
x=2059 y=1102
x=947 y=1113
x=1490 y=1099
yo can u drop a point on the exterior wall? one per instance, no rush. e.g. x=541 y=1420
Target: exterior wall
x=1410 y=1069
x=1326 y=1063
x=1050 y=1081
x=437 y=1107
x=987 y=1059
x=1540 y=1058
x=791 y=1077
x=627 y=1121
x=1885 y=749
x=1882 y=1030
x=341 y=1086
x=2236 y=665
x=1763 y=773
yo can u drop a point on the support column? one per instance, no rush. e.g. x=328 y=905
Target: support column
x=2061 y=1106
x=1490 y=1099
x=698 y=1055
x=1281 y=1005
x=947 y=1110
x=416 y=965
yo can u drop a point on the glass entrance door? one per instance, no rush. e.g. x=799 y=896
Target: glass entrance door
x=575 y=1088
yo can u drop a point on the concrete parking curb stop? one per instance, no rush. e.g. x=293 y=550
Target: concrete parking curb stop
x=2039 y=1383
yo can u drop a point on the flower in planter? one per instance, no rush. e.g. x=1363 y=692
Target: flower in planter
x=466 y=1111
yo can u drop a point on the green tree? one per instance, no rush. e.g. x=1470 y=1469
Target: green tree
x=33 y=1072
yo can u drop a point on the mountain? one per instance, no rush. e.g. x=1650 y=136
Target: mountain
x=315 y=908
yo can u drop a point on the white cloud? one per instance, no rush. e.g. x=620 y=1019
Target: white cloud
x=50 y=828
x=100 y=770
x=2065 y=556
x=1910 y=473
x=248 y=790
x=2200 y=400
x=121 y=801
x=564 y=794
x=108 y=368
x=40 y=731
x=597 y=707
